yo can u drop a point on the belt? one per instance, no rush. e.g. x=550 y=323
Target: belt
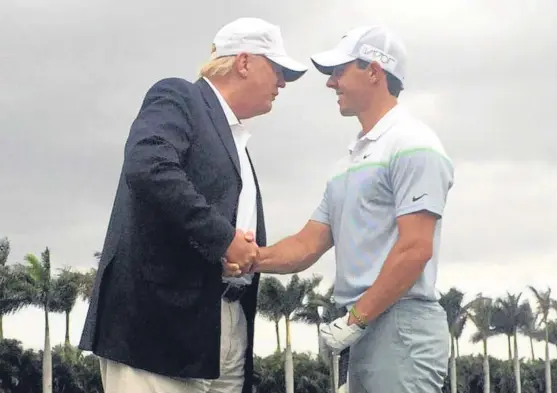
x=233 y=293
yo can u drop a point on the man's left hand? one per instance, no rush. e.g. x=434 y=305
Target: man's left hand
x=338 y=334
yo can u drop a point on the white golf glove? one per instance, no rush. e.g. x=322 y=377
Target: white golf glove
x=338 y=335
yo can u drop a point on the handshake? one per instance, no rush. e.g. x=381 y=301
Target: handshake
x=241 y=256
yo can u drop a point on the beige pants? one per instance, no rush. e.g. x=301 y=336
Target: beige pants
x=120 y=378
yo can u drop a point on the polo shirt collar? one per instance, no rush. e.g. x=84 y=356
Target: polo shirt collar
x=230 y=116
x=382 y=126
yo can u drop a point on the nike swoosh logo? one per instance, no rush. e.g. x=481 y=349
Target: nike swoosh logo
x=414 y=199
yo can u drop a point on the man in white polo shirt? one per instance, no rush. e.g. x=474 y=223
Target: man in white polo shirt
x=382 y=211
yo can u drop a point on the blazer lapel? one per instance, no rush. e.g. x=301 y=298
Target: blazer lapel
x=216 y=114
x=261 y=235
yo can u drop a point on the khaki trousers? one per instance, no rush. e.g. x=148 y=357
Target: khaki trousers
x=120 y=378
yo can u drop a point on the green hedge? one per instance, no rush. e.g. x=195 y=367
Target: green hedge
x=20 y=372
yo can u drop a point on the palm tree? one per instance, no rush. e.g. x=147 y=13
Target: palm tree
x=458 y=329
x=287 y=301
x=66 y=289
x=12 y=289
x=88 y=280
x=86 y=283
x=528 y=329
x=268 y=303
x=4 y=250
x=480 y=311
x=309 y=313
x=318 y=309
x=544 y=303
x=504 y=321
x=552 y=332
x=509 y=316
x=296 y=292
x=330 y=312
x=456 y=317
x=40 y=288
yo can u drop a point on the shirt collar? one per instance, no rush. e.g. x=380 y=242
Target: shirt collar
x=382 y=126
x=230 y=116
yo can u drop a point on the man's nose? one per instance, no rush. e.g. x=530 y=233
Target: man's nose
x=332 y=82
x=280 y=80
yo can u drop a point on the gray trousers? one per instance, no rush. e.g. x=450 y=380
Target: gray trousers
x=405 y=350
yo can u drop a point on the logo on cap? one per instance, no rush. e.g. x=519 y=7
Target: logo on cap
x=373 y=54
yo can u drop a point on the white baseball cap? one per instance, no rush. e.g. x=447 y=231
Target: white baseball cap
x=368 y=43
x=259 y=37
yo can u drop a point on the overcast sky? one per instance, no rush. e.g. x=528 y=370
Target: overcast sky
x=73 y=74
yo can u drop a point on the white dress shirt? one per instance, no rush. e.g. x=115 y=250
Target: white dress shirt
x=246 y=218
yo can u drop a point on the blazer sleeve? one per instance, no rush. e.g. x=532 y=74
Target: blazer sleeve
x=159 y=135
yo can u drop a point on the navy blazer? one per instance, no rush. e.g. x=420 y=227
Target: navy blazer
x=156 y=304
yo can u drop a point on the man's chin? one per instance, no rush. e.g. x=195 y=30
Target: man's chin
x=346 y=112
x=262 y=110
x=267 y=108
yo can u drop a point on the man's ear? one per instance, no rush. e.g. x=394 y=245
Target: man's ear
x=241 y=64
x=375 y=72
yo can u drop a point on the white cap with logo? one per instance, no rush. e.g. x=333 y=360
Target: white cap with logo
x=368 y=43
x=258 y=37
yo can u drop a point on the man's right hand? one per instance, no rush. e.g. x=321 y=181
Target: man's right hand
x=242 y=251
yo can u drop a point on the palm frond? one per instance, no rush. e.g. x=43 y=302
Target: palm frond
x=543 y=299
x=4 y=251
x=65 y=290
x=480 y=312
x=16 y=289
x=87 y=283
x=271 y=293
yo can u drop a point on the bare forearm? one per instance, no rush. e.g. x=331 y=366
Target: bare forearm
x=289 y=255
x=400 y=271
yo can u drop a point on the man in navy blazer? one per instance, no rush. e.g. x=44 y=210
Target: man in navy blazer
x=165 y=315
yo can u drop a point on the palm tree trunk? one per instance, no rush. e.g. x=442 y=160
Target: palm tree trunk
x=278 y=335
x=319 y=346
x=47 y=356
x=453 y=365
x=457 y=348
x=67 y=339
x=532 y=348
x=332 y=379
x=288 y=361
x=509 y=344
x=324 y=351
x=1 y=328
x=516 y=365
x=487 y=376
x=547 y=362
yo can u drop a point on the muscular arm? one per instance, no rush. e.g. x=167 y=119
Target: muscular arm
x=296 y=253
x=403 y=265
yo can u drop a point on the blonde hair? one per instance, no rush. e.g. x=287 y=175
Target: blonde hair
x=217 y=66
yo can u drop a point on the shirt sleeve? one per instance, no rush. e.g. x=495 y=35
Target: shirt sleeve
x=321 y=214
x=420 y=179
